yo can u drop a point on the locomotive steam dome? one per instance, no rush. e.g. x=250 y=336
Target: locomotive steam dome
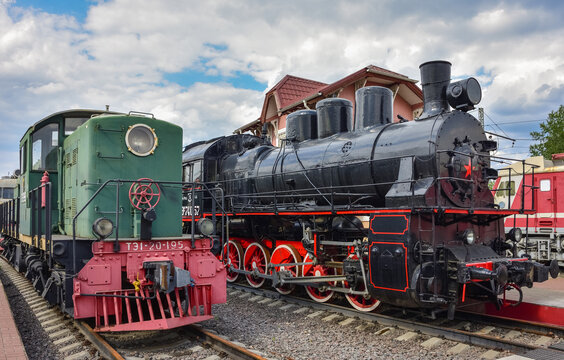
x=373 y=107
x=301 y=125
x=334 y=116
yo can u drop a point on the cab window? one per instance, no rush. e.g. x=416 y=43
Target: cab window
x=44 y=148
x=193 y=172
x=545 y=185
x=7 y=193
x=23 y=157
x=505 y=188
x=187 y=175
x=71 y=124
x=197 y=171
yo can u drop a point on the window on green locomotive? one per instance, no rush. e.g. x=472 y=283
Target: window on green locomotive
x=23 y=157
x=71 y=124
x=44 y=148
x=7 y=193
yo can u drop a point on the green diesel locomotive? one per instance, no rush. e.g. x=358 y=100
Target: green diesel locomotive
x=96 y=222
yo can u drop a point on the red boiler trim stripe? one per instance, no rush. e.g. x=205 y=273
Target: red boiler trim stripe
x=486 y=212
x=344 y=212
x=361 y=212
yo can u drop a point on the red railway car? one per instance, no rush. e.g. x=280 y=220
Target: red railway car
x=543 y=231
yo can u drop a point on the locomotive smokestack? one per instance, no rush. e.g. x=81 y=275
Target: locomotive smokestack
x=435 y=78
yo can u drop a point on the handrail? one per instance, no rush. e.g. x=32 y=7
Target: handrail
x=280 y=199
x=118 y=183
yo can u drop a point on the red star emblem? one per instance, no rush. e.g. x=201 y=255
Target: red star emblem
x=468 y=168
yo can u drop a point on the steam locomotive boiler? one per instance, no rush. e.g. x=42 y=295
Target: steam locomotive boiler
x=376 y=210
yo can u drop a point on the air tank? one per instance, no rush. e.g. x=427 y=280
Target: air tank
x=334 y=115
x=373 y=107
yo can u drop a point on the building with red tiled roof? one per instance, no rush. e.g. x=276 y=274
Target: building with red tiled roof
x=294 y=93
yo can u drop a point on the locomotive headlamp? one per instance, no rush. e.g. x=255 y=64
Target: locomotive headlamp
x=515 y=234
x=103 y=227
x=141 y=140
x=205 y=226
x=468 y=236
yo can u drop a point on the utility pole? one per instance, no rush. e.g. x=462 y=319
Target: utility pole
x=481 y=116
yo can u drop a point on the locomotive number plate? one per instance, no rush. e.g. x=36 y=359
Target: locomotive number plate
x=187 y=211
x=154 y=245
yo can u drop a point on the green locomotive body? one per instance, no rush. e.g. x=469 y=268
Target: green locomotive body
x=96 y=222
x=82 y=149
x=80 y=158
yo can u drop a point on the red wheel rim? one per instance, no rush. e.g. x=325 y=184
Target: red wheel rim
x=361 y=303
x=286 y=254
x=317 y=270
x=256 y=257
x=235 y=254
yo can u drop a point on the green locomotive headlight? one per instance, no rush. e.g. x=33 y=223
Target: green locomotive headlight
x=103 y=227
x=141 y=140
x=206 y=226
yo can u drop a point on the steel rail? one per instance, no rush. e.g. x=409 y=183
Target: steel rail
x=105 y=349
x=222 y=345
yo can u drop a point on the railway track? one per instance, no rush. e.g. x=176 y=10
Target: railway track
x=517 y=337
x=186 y=342
x=75 y=340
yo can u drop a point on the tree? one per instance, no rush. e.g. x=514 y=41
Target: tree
x=551 y=136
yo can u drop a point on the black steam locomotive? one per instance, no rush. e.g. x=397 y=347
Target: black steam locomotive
x=398 y=212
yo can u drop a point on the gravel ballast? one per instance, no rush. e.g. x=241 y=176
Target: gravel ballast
x=285 y=334
x=36 y=342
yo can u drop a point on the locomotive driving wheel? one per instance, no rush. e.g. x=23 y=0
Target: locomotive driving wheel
x=361 y=302
x=317 y=270
x=256 y=257
x=235 y=258
x=286 y=254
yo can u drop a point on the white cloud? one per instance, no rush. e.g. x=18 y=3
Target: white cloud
x=119 y=54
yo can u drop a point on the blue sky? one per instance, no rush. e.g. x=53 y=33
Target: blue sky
x=76 y=8
x=206 y=65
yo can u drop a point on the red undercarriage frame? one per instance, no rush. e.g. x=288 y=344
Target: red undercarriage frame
x=489 y=266
x=112 y=288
